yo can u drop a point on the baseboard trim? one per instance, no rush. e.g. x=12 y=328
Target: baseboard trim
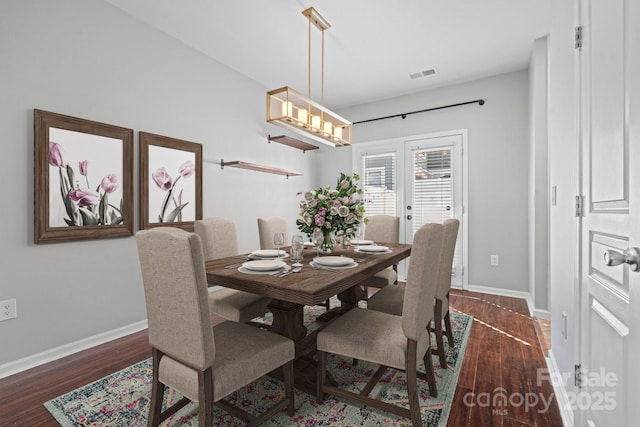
x=561 y=392
x=542 y=314
x=505 y=293
x=56 y=353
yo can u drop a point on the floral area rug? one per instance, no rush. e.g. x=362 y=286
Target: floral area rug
x=122 y=399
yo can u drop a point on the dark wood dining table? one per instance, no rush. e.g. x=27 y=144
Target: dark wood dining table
x=289 y=294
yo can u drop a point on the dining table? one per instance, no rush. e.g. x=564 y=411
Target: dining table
x=312 y=285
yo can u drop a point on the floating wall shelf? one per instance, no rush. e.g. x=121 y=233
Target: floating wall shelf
x=293 y=142
x=259 y=168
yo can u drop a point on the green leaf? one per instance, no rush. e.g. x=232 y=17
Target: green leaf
x=104 y=208
x=71 y=175
x=70 y=207
x=88 y=218
x=172 y=216
x=69 y=222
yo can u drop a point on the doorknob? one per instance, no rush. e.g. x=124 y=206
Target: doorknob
x=631 y=256
x=409 y=217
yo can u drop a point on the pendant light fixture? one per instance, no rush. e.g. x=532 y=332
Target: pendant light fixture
x=292 y=110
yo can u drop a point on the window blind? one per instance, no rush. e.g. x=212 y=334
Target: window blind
x=379 y=184
x=432 y=186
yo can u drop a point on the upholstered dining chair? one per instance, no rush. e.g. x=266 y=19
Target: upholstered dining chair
x=390 y=299
x=397 y=342
x=267 y=227
x=219 y=240
x=201 y=362
x=386 y=229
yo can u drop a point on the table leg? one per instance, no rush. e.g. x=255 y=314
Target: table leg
x=288 y=319
x=348 y=301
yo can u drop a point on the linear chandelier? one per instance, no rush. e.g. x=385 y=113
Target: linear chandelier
x=292 y=110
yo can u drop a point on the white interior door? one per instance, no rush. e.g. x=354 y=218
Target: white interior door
x=433 y=188
x=609 y=298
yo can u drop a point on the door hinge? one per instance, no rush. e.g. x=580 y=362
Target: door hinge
x=462 y=270
x=578 y=37
x=578 y=206
x=577 y=375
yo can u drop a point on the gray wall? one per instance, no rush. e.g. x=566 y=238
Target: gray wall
x=87 y=59
x=498 y=144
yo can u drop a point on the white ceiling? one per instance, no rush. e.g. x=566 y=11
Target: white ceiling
x=370 y=49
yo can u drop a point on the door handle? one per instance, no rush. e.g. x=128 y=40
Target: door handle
x=409 y=217
x=631 y=256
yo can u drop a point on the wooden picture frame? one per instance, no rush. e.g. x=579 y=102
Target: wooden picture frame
x=83 y=179
x=170 y=182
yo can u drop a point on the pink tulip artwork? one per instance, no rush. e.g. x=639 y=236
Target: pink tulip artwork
x=79 y=202
x=170 y=182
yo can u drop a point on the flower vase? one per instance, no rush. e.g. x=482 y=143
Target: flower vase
x=329 y=243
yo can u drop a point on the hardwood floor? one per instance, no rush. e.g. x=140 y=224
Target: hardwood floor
x=503 y=353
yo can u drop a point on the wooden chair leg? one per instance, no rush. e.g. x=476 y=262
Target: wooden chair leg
x=322 y=366
x=412 y=384
x=157 y=393
x=431 y=378
x=205 y=398
x=288 y=387
x=448 y=331
x=437 y=320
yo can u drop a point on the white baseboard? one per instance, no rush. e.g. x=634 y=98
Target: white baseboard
x=561 y=393
x=50 y=355
x=505 y=293
x=543 y=314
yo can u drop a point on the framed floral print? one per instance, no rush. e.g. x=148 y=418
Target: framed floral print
x=170 y=182
x=83 y=179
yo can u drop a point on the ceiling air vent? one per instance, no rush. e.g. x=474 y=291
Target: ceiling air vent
x=424 y=73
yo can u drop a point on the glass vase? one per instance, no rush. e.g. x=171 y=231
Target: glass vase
x=328 y=244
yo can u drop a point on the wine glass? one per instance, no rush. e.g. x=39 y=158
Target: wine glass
x=278 y=240
x=318 y=239
x=296 y=248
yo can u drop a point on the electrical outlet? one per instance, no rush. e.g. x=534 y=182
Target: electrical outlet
x=8 y=309
x=495 y=260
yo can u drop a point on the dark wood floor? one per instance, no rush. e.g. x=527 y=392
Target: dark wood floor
x=502 y=360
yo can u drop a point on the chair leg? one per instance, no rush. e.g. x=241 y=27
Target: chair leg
x=437 y=320
x=431 y=378
x=448 y=331
x=157 y=393
x=412 y=384
x=322 y=367
x=205 y=398
x=288 y=387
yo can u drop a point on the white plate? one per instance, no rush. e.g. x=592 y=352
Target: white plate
x=333 y=261
x=269 y=253
x=269 y=272
x=356 y=242
x=264 y=265
x=309 y=245
x=374 y=249
x=335 y=267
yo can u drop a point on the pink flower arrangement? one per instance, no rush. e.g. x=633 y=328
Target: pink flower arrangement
x=333 y=210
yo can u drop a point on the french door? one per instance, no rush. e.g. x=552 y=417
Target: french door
x=433 y=189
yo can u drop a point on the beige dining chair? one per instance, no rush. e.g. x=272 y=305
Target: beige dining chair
x=267 y=227
x=219 y=240
x=201 y=362
x=382 y=229
x=390 y=299
x=391 y=341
